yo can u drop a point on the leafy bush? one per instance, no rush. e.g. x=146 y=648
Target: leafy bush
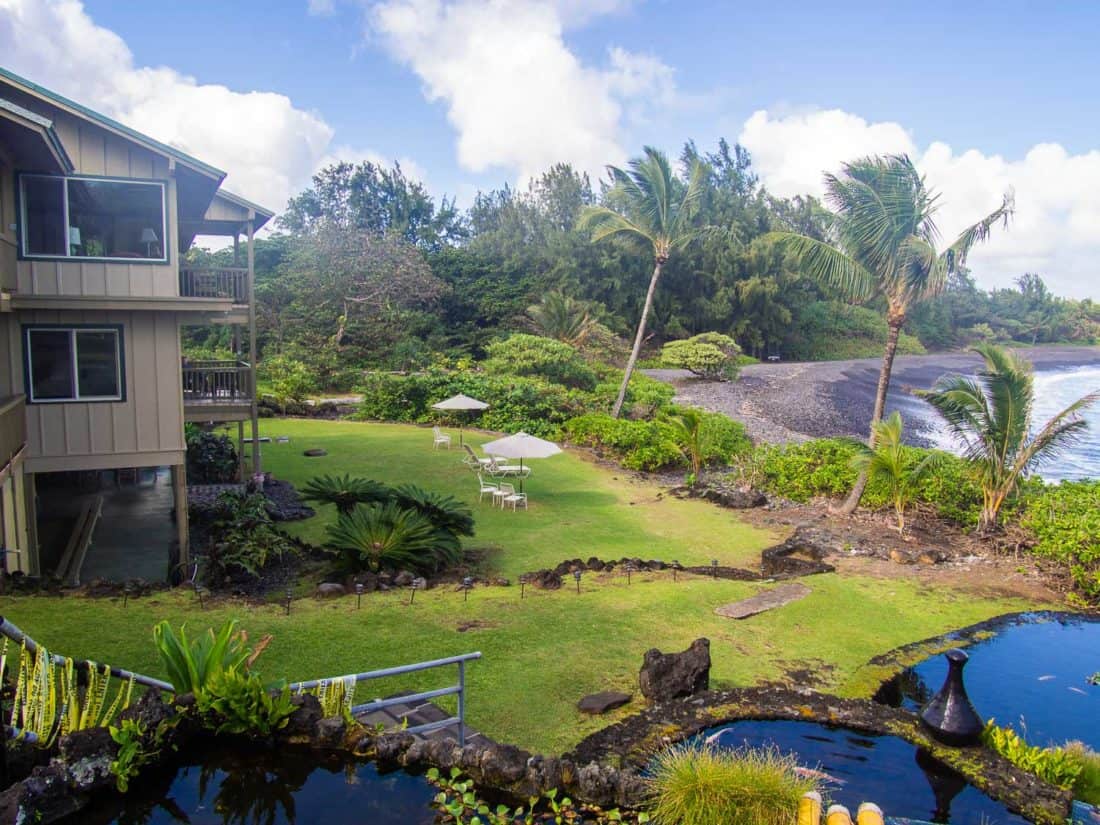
x=445 y=512
x=240 y=703
x=344 y=491
x=832 y=330
x=645 y=396
x=289 y=380
x=517 y=403
x=192 y=664
x=1066 y=521
x=243 y=539
x=708 y=786
x=1087 y=785
x=1056 y=766
x=535 y=356
x=709 y=355
x=387 y=536
x=211 y=458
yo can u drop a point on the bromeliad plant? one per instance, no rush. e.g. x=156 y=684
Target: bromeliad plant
x=194 y=664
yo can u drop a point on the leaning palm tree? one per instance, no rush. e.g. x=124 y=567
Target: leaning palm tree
x=889 y=463
x=562 y=317
x=654 y=212
x=990 y=415
x=883 y=245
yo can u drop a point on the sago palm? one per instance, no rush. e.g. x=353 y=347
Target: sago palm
x=991 y=416
x=344 y=491
x=890 y=463
x=884 y=245
x=655 y=209
x=562 y=317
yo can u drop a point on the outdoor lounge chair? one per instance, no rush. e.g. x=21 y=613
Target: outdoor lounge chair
x=440 y=438
x=472 y=461
x=487 y=488
x=510 y=496
x=497 y=468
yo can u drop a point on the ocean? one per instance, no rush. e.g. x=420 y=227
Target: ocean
x=1055 y=390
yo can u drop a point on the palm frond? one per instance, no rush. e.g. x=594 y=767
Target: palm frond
x=826 y=263
x=955 y=255
x=603 y=223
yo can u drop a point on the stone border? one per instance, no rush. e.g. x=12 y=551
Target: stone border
x=630 y=743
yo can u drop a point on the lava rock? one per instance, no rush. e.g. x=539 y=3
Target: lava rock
x=666 y=676
x=733 y=498
x=403 y=579
x=329 y=590
x=544 y=579
x=802 y=554
x=502 y=765
x=315 y=452
x=603 y=702
x=307 y=713
x=330 y=732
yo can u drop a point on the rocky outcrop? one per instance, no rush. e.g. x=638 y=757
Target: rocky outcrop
x=602 y=702
x=803 y=554
x=667 y=676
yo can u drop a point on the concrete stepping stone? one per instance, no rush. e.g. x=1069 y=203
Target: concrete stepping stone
x=768 y=600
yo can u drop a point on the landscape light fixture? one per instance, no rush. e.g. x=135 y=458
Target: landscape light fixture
x=358 y=595
x=629 y=569
x=467 y=583
x=289 y=596
x=714 y=568
x=522 y=585
x=577 y=579
x=412 y=590
x=126 y=588
x=675 y=569
x=199 y=592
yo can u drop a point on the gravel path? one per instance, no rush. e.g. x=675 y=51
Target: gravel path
x=797 y=401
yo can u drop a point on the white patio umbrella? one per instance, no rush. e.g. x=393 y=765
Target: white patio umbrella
x=521 y=446
x=460 y=403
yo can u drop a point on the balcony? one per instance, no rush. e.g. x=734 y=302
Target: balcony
x=217 y=390
x=211 y=282
x=13 y=427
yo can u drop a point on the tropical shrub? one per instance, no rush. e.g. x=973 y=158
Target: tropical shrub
x=289 y=380
x=211 y=458
x=562 y=317
x=645 y=396
x=535 y=356
x=709 y=355
x=344 y=491
x=445 y=512
x=386 y=536
x=1066 y=521
x=239 y=702
x=243 y=539
x=708 y=786
x=639 y=445
x=834 y=330
x=192 y=664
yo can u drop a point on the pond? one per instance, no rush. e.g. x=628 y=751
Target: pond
x=892 y=773
x=269 y=788
x=1030 y=671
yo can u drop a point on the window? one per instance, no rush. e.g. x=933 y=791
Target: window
x=74 y=363
x=92 y=218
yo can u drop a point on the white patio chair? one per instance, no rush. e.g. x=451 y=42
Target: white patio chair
x=473 y=461
x=440 y=437
x=487 y=488
x=510 y=496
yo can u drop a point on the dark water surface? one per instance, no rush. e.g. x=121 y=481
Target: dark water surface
x=1032 y=674
x=882 y=769
x=283 y=788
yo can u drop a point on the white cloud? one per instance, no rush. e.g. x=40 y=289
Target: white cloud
x=268 y=146
x=515 y=93
x=1056 y=229
x=321 y=8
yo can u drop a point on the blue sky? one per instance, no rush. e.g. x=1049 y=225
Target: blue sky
x=985 y=96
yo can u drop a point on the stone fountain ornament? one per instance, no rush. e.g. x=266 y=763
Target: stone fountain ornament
x=949 y=714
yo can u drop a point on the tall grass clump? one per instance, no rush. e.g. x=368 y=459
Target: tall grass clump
x=709 y=786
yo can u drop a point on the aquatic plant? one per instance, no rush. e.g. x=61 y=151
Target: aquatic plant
x=710 y=786
x=132 y=755
x=241 y=703
x=192 y=664
x=1057 y=766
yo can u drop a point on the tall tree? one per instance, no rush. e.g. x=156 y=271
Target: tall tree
x=991 y=416
x=653 y=208
x=883 y=245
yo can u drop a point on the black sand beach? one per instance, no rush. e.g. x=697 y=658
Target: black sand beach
x=797 y=401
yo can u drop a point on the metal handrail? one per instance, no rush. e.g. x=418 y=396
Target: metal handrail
x=458 y=690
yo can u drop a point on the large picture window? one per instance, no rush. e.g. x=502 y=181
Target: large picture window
x=74 y=364
x=92 y=218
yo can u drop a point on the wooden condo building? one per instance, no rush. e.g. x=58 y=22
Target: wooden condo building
x=95 y=223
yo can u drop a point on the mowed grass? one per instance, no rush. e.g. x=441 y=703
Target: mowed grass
x=545 y=651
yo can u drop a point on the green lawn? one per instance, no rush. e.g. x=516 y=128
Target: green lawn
x=543 y=652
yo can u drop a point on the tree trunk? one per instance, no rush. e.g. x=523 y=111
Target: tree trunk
x=637 y=339
x=895 y=321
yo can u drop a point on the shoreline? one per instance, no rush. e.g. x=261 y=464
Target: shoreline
x=797 y=401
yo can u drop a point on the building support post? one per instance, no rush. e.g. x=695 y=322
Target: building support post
x=30 y=492
x=179 y=493
x=240 y=451
x=257 y=465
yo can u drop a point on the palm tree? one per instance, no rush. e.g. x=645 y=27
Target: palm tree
x=654 y=213
x=990 y=415
x=689 y=425
x=883 y=245
x=889 y=463
x=562 y=317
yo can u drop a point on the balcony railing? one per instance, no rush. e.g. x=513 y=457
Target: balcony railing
x=223 y=282
x=217 y=382
x=13 y=427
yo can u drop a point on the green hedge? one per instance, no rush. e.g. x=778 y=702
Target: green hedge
x=538 y=357
x=656 y=444
x=1066 y=521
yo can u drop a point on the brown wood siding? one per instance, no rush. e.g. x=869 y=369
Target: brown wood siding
x=149 y=421
x=95 y=151
x=8 y=247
